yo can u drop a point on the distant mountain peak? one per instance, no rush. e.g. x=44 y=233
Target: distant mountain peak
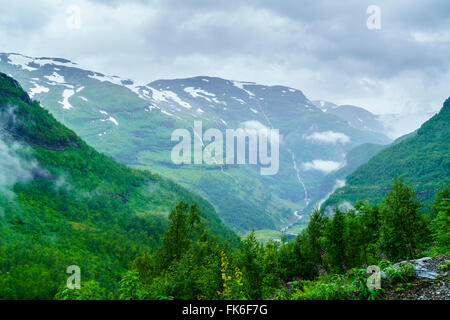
x=32 y=63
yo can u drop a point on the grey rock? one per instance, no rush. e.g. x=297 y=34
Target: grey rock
x=422 y=271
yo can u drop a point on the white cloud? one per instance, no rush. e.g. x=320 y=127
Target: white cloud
x=254 y=127
x=329 y=137
x=14 y=167
x=431 y=37
x=322 y=48
x=345 y=206
x=322 y=165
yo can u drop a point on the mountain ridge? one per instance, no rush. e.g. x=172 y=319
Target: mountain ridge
x=133 y=124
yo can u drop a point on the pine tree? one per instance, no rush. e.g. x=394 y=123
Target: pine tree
x=335 y=240
x=403 y=227
x=369 y=228
x=250 y=257
x=441 y=222
x=184 y=228
x=313 y=236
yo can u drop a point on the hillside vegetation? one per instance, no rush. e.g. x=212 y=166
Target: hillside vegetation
x=421 y=159
x=63 y=203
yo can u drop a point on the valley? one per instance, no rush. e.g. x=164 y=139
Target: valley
x=137 y=235
x=134 y=123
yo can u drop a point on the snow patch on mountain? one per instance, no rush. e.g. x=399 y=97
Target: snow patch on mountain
x=110 y=118
x=24 y=61
x=44 y=61
x=103 y=78
x=167 y=96
x=55 y=77
x=67 y=93
x=324 y=105
x=21 y=61
x=151 y=107
x=113 y=120
x=238 y=100
x=197 y=92
x=167 y=113
x=240 y=85
x=37 y=90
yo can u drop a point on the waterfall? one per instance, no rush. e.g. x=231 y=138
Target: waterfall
x=297 y=170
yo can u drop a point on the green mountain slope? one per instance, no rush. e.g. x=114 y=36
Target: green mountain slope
x=133 y=124
x=355 y=158
x=422 y=159
x=63 y=203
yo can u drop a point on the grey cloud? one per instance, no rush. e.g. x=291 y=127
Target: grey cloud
x=321 y=47
x=14 y=167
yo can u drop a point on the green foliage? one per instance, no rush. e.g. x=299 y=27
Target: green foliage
x=445 y=266
x=183 y=230
x=441 y=223
x=78 y=206
x=314 y=233
x=325 y=288
x=403 y=227
x=287 y=262
x=360 y=276
x=421 y=159
x=90 y=290
x=249 y=261
x=187 y=265
x=131 y=287
x=335 y=240
x=401 y=272
x=368 y=228
x=83 y=208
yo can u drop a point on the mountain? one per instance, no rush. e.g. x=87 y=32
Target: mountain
x=134 y=123
x=356 y=117
x=391 y=125
x=63 y=203
x=421 y=158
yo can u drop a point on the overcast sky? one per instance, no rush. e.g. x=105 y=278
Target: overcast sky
x=323 y=48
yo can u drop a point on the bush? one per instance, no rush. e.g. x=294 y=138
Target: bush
x=90 y=290
x=401 y=272
x=333 y=288
x=360 y=277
